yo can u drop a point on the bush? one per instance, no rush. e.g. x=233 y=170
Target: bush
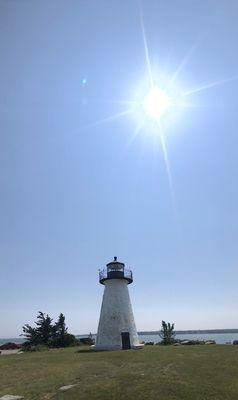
x=38 y=347
x=65 y=341
x=86 y=341
x=235 y=342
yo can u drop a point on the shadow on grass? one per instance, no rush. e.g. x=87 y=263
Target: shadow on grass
x=90 y=351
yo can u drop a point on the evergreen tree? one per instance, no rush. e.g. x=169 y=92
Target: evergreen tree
x=30 y=334
x=42 y=333
x=60 y=332
x=44 y=328
x=48 y=334
x=60 y=326
x=167 y=333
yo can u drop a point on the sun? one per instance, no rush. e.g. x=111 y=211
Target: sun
x=156 y=103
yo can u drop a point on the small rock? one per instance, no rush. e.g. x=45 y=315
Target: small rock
x=65 y=387
x=11 y=397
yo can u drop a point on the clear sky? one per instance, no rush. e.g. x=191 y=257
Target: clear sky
x=78 y=187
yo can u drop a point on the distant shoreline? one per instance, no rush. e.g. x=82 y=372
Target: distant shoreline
x=192 y=332
x=186 y=332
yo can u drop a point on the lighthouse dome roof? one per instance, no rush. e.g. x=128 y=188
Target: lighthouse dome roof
x=115 y=264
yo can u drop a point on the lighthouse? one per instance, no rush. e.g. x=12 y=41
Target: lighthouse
x=116 y=328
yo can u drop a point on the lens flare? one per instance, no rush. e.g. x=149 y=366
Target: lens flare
x=156 y=103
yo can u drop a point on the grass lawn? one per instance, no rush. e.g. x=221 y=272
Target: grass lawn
x=164 y=373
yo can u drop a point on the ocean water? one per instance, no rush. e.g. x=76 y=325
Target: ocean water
x=220 y=338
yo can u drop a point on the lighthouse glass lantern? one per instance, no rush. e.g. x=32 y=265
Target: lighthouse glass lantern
x=116 y=329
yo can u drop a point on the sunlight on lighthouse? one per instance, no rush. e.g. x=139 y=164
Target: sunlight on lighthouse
x=156 y=103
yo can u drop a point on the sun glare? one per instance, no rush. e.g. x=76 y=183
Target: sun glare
x=156 y=103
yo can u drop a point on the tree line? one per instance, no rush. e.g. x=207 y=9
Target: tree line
x=47 y=333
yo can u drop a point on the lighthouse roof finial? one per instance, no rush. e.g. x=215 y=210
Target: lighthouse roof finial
x=115 y=263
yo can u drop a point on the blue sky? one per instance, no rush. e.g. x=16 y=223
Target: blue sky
x=74 y=192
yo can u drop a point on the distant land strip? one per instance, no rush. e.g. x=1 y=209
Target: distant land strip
x=192 y=331
x=196 y=331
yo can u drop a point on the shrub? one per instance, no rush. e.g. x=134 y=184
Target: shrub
x=86 y=341
x=31 y=347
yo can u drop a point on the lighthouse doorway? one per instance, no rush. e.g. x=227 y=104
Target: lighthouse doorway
x=125 y=338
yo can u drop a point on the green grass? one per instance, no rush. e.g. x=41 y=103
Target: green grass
x=156 y=372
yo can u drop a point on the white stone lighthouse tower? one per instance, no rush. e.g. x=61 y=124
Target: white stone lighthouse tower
x=116 y=329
